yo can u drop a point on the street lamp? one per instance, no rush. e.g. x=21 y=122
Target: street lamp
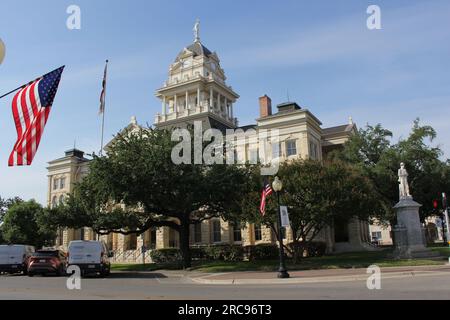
x=277 y=185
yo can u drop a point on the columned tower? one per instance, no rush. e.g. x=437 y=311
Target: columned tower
x=196 y=90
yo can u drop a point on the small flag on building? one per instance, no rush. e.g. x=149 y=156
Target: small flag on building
x=267 y=191
x=103 y=94
x=31 y=107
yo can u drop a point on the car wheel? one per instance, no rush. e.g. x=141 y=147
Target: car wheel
x=30 y=274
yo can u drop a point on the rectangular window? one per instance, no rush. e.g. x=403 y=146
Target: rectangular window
x=237 y=236
x=276 y=151
x=197 y=232
x=291 y=148
x=217 y=236
x=376 y=235
x=313 y=151
x=253 y=156
x=55 y=183
x=153 y=238
x=62 y=183
x=258 y=233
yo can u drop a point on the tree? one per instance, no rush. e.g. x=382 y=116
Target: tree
x=4 y=205
x=137 y=186
x=23 y=223
x=372 y=151
x=316 y=195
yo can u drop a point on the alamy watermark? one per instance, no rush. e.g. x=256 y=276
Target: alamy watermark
x=236 y=146
x=374 y=20
x=74 y=280
x=73 y=21
x=374 y=280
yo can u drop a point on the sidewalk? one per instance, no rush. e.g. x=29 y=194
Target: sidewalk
x=315 y=276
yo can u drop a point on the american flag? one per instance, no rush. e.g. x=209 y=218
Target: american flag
x=31 y=107
x=103 y=94
x=267 y=191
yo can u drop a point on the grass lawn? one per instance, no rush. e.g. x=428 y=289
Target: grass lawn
x=344 y=260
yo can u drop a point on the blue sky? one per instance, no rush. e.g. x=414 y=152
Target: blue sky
x=319 y=51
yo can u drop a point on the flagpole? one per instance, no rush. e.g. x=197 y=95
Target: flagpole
x=103 y=129
x=23 y=86
x=103 y=112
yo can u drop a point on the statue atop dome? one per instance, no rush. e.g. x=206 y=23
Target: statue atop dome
x=197 y=31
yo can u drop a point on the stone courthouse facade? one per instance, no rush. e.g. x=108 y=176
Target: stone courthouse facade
x=196 y=90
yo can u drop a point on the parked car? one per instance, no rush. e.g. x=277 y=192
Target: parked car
x=47 y=261
x=14 y=258
x=92 y=257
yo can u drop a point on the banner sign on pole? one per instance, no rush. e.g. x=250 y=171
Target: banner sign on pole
x=284 y=217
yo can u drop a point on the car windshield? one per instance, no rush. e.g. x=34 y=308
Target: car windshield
x=45 y=254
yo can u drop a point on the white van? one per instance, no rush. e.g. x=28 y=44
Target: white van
x=14 y=258
x=90 y=257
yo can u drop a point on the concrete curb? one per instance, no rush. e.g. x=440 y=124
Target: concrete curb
x=318 y=279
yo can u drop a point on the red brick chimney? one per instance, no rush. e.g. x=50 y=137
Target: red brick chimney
x=265 y=106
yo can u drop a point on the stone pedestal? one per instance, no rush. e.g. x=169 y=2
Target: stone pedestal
x=409 y=239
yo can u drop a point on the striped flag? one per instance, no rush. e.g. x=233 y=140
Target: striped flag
x=103 y=94
x=31 y=107
x=267 y=191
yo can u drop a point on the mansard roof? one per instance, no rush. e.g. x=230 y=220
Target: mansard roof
x=197 y=48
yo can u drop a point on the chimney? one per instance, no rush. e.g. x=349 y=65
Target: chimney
x=265 y=106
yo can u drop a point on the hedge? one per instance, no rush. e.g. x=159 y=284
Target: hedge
x=310 y=249
x=265 y=251
x=166 y=255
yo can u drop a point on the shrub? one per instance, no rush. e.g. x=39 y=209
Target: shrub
x=224 y=252
x=266 y=251
x=198 y=253
x=316 y=249
x=309 y=249
x=166 y=255
x=233 y=253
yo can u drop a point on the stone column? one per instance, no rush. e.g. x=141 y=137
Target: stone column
x=211 y=97
x=218 y=101
x=164 y=105
x=231 y=109
x=175 y=107
x=247 y=235
x=198 y=97
x=224 y=231
x=162 y=238
x=187 y=100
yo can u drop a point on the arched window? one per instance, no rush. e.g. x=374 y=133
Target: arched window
x=61 y=199
x=54 y=203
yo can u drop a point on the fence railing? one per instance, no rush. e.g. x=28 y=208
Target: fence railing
x=131 y=256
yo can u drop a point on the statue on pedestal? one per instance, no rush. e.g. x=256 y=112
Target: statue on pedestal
x=403 y=180
x=197 y=31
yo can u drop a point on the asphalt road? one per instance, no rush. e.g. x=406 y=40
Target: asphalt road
x=176 y=286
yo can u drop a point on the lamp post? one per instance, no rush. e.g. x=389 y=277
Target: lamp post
x=277 y=185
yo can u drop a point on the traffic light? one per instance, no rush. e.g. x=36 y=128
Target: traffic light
x=435 y=204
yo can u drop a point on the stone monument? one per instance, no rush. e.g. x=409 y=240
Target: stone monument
x=409 y=235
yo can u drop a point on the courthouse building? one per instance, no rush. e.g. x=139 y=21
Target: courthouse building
x=196 y=90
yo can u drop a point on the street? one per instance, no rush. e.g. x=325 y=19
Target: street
x=179 y=286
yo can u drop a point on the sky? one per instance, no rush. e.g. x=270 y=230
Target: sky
x=318 y=53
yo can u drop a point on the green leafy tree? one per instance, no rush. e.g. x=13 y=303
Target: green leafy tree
x=137 y=186
x=316 y=195
x=373 y=152
x=23 y=223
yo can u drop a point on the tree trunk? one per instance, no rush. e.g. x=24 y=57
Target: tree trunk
x=184 y=243
x=297 y=252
